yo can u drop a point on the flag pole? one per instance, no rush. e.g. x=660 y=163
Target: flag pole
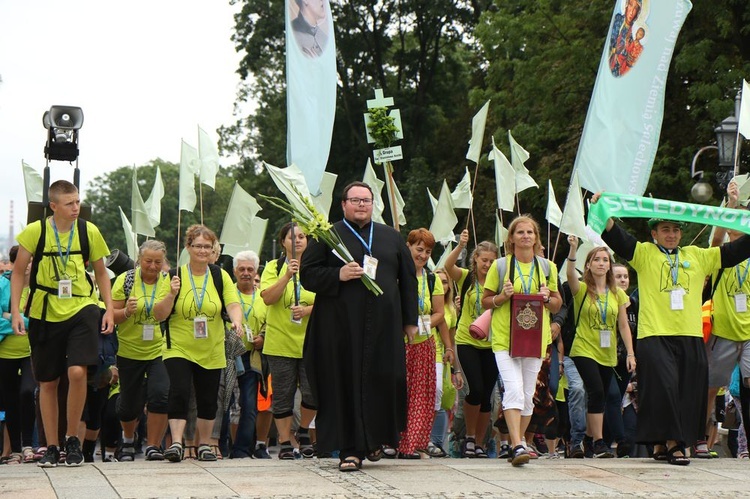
x=470 y=217
x=294 y=257
x=200 y=191
x=388 y=167
x=177 y=255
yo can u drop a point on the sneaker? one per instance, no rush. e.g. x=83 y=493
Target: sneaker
x=588 y=447
x=552 y=455
x=50 y=458
x=520 y=456
x=261 y=452
x=602 y=450
x=73 y=454
x=623 y=449
x=577 y=452
x=125 y=452
x=504 y=451
x=154 y=453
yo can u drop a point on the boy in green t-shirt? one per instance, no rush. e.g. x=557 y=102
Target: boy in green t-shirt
x=64 y=316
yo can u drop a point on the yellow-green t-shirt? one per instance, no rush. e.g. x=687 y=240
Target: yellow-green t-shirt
x=450 y=321
x=728 y=323
x=655 y=314
x=471 y=308
x=206 y=352
x=130 y=337
x=501 y=316
x=425 y=304
x=253 y=314
x=51 y=269
x=284 y=338
x=16 y=346
x=587 y=341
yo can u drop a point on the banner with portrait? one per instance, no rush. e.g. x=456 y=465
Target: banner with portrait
x=311 y=87
x=623 y=124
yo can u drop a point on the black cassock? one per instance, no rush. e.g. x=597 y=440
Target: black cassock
x=354 y=346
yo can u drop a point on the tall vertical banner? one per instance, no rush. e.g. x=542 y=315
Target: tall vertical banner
x=623 y=124
x=311 y=87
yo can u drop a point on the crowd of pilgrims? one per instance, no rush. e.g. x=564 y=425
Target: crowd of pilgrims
x=236 y=387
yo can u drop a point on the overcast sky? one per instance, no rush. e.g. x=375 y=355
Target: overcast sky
x=145 y=73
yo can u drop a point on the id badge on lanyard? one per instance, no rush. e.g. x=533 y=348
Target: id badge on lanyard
x=65 y=289
x=370 y=266
x=148 y=332
x=605 y=338
x=200 y=328
x=424 y=325
x=676 y=299
x=740 y=302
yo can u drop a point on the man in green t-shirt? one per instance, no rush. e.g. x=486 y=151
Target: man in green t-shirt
x=672 y=363
x=64 y=316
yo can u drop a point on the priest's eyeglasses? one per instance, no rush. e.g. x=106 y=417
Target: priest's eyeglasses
x=360 y=201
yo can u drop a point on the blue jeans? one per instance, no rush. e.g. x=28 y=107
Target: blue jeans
x=439 y=428
x=554 y=371
x=576 y=402
x=248 y=383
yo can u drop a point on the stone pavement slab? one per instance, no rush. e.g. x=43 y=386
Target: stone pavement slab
x=406 y=479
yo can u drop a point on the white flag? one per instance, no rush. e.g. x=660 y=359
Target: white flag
x=505 y=179
x=744 y=125
x=433 y=201
x=209 y=157
x=130 y=236
x=153 y=203
x=238 y=220
x=554 y=215
x=371 y=178
x=519 y=156
x=477 y=135
x=189 y=167
x=141 y=223
x=462 y=193
x=445 y=219
x=33 y=182
x=285 y=178
x=501 y=233
x=573 y=220
x=322 y=201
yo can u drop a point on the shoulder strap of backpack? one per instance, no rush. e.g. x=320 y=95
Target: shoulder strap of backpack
x=219 y=285
x=83 y=238
x=280 y=263
x=716 y=283
x=430 y=281
x=38 y=252
x=464 y=289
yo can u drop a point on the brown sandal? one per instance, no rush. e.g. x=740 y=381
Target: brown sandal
x=351 y=463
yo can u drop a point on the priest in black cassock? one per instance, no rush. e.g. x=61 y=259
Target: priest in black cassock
x=354 y=347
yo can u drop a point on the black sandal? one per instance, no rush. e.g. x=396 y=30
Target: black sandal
x=286 y=452
x=660 y=455
x=375 y=455
x=351 y=463
x=682 y=460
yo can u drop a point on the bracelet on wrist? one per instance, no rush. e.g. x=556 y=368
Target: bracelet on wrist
x=493 y=301
x=631 y=355
x=571 y=259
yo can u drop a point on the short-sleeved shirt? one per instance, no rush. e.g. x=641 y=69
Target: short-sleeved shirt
x=450 y=321
x=597 y=316
x=425 y=303
x=206 y=352
x=284 y=338
x=253 y=314
x=471 y=308
x=728 y=322
x=655 y=285
x=51 y=269
x=501 y=316
x=130 y=337
x=13 y=346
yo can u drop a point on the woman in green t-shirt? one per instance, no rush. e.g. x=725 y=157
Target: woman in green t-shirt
x=193 y=350
x=600 y=309
x=288 y=310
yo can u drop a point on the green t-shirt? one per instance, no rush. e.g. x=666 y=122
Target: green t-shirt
x=130 y=337
x=284 y=338
x=425 y=304
x=501 y=315
x=588 y=341
x=51 y=270
x=471 y=308
x=728 y=323
x=253 y=314
x=14 y=346
x=655 y=314
x=450 y=321
x=206 y=352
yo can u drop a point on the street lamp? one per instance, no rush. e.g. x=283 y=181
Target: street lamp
x=726 y=140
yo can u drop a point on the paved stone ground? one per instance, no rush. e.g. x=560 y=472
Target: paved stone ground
x=433 y=478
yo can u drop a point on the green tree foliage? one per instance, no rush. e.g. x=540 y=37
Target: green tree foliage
x=414 y=50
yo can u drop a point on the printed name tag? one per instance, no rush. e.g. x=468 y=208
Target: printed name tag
x=295 y=321
x=248 y=333
x=605 y=338
x=148 y=332
x=370 y=266
x=65 y=288
x=200 y=328
x=676 y=301
x=740 y=302
x=424 y=325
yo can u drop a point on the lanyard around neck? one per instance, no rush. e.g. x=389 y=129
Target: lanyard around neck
x=198 y=300
x=603 y=307
x=148 y=305
x=367 y=245
x=526 y=286
x=250 y=308
x=673 y=265
x=63 y=259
